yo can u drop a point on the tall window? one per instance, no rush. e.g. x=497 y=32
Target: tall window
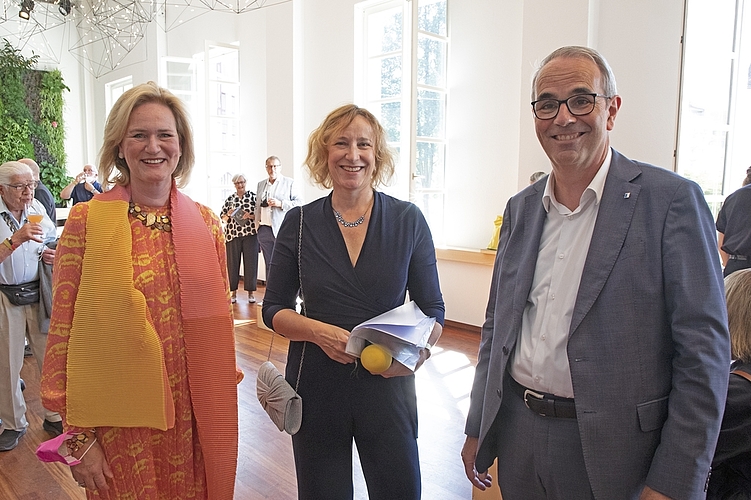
x=209 y=86
x=713 y=146
x=113 y=91
x=402 y=80
x=223 y=113
x=182 y=76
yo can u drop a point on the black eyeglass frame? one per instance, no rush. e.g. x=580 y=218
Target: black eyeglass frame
x=20 y=187
x=594 y=96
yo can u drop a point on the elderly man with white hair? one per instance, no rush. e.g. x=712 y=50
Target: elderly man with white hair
x=24 y=228
x=83 y=187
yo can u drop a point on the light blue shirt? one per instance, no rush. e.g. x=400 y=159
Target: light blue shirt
x=22 y=265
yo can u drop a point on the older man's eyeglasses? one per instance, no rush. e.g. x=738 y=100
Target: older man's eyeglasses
x=578 y=105
x=20 y=187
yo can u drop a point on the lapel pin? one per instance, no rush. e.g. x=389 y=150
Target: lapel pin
x=626 y=196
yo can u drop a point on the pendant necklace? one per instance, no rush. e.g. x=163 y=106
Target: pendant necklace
x=160 y=222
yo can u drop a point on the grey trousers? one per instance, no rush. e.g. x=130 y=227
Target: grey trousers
x=16 y=324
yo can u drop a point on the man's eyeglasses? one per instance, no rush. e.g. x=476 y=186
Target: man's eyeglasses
x=20 y=187
x=578 y=105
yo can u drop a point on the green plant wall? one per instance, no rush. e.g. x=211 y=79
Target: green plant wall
x=31 y=116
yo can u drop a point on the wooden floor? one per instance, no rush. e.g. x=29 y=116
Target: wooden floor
x=265 y=466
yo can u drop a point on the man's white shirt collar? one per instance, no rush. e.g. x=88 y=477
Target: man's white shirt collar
x=596 y=186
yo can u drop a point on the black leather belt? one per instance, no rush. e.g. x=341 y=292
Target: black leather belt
x=546 y=405
x=738 y=257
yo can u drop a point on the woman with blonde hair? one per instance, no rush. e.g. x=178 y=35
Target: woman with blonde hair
x=360 y=252
x=141 y=357
x=731 y=466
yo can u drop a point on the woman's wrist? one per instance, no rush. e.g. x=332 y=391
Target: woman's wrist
x=81 y=440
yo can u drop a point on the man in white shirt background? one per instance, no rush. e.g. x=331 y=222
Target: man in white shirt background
x=276 y=196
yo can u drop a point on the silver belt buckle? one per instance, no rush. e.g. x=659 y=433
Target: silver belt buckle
x=536 y=395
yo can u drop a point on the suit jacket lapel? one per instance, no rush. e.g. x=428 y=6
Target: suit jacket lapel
x=613 y=222
x=529 y=237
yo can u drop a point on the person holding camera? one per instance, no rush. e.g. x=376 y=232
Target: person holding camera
x=277 y=194
x=83 y=187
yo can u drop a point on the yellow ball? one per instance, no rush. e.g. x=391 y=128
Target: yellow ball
x=375 y=359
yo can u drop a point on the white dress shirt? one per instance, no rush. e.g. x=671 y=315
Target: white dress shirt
x=265 y=212
x=540 y=360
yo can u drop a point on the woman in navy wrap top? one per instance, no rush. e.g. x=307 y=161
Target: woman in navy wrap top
x=362 y=251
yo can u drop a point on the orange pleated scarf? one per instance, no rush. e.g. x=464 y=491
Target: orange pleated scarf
x=116 y=374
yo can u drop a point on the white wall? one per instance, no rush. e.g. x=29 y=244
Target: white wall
x=297 y=64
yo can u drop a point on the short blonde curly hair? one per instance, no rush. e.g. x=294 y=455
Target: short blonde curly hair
x=336 y=121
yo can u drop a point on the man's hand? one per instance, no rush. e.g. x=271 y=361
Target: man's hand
x=48 y=256
x=650 y=494
x=28 y=232
x=480 y=480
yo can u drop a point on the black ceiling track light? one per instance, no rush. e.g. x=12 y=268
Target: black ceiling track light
x=64 y=6
x=26 y=7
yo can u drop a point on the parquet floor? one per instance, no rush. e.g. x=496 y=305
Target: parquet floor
x=265 y=467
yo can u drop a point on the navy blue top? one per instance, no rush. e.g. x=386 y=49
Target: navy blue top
x=44 y=196
x=731 y=466
x=397 y=256
x=80 y=193
x=734 y=222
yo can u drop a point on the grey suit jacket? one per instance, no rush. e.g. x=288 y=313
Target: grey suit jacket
x=285 y=192
x=648 y=344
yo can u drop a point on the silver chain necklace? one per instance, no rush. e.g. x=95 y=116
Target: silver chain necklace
x=346 y=223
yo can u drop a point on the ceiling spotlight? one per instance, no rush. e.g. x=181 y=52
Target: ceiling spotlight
x=26 y=7
x=64 y=7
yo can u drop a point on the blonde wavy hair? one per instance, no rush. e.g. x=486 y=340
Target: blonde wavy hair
x=117 y=126
x=336 y=121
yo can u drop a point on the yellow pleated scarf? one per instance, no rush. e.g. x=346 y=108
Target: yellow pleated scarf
x=116 y=374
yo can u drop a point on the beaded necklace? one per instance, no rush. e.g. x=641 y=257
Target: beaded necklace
x=345 y=223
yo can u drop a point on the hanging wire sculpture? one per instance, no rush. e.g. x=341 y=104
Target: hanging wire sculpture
x=101 y=34
x=29 y=35
x=106 y=31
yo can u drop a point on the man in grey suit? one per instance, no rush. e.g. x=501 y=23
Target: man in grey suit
x=602 y=370
x=277 y=195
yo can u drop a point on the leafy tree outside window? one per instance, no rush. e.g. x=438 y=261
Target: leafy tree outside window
x=404 y=49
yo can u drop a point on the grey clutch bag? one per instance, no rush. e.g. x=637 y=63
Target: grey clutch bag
x=282 y=403
x=279 y=399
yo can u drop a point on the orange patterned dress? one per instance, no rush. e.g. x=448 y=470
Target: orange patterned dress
x=148 y=464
